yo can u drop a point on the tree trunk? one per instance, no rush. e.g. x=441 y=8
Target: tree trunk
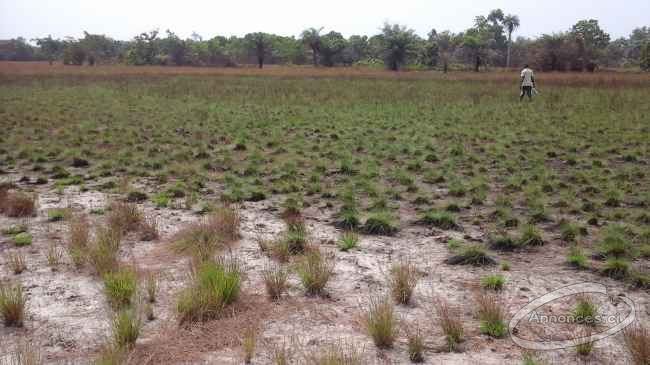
x=314 y=55
x=478 y=63
x=509 y=49
x=445 y=66
x=260 y=61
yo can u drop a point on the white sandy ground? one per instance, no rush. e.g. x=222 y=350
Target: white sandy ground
x=68 y=315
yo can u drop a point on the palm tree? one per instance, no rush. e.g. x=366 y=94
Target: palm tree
x=312 y=38
x=511 y=22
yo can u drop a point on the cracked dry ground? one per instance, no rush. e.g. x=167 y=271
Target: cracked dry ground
x=69 y=318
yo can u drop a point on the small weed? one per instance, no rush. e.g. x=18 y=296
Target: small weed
x=54 y=256
x=249 y=343
x=126 y=326
x=585 y=311
x=415 y=346
x=577 y=258
x=505 y=266
x=151 y=286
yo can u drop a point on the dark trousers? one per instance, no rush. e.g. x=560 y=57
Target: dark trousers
x=526 y=90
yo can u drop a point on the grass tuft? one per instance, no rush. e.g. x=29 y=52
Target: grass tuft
x=491 y=313
x=275 y=280
x=493 y=282
x=380 y=321
x=450 y=322
x=314 y=271
x=637 y=342
x=402 y=279
x=13 y=303
x=120 y=287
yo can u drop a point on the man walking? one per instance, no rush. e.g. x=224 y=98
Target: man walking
x=527 y=83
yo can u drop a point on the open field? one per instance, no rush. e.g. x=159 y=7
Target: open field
x=384 y=179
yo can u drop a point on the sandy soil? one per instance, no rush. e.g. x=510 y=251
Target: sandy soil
x=69 y=318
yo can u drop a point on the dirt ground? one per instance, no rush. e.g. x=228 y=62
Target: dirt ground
x=68 y=316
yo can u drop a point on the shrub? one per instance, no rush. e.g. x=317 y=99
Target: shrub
x=275 y=280
x=215 y=285
x=126 y=327
x=348 y=240
x=491 y=314
x=471 y=255
x=17 y=204
x=120 y=286
x=450 y=323
x=442 y=220
x=13 y=304
x=381 y=223
x=23 y=239
x=637 y=342
x=402 y=279
x=314 y=271
x=380 y=321
x=493 y=282
x=16 y=261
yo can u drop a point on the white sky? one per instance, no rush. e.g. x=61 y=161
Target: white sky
x=122 y=19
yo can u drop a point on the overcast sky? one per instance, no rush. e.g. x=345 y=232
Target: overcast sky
x=122 y=19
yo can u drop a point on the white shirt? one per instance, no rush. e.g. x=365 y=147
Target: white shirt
x=527 y=76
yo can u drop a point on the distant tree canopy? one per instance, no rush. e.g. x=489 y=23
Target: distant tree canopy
x=488 y=43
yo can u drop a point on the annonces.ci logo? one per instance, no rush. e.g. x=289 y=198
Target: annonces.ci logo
x=614 y=323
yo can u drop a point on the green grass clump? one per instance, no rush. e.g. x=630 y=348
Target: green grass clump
x=577 y=258
x=503 y=242
x=530 y=236
x=126 y=326
x=402 y=279
x=615 y=243
x=490 y=312
x=442 y=220
x=214 y=285
x=585 y=311
x=120 y=287
x=348 y=240
x=14 y=230
x=493 y=282
x=23 y=239
x=450 y=322
x=381 y=223
x=314 y=271
x=56 y=215
x=617 y=268
x=13 y=303
x=471 y=255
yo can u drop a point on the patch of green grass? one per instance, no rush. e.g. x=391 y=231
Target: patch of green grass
x=617 y=268
x=348 y=241
x=493 y=282
x=585 y=310
x=381 y=223
x=577 y=258
x=23 y=239
x=120 y=287
x=442 y=220
x=380 y=321
x=13 y=303
x=314 y=270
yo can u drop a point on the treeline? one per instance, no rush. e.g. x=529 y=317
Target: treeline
x=489 y=43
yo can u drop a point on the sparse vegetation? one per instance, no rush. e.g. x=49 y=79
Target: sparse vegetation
x=16 y=261
x=348 y=240
x=275 y=280
x=493 y=282
x=120 y=287
x=450 y=322
x=491 y=313
x=637 y=342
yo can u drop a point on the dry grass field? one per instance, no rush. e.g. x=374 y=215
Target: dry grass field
x=294 y=215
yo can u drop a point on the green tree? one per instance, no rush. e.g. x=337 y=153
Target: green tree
x=590 y=40
x=261 y=44
x=645 y=57
x=311 y=38
x=50 y=48
x=174 y=49
x=144 y=49
x=511 y=22
x=398 y=44
x=98 y=47
x=74 y=54
x=331 y=46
